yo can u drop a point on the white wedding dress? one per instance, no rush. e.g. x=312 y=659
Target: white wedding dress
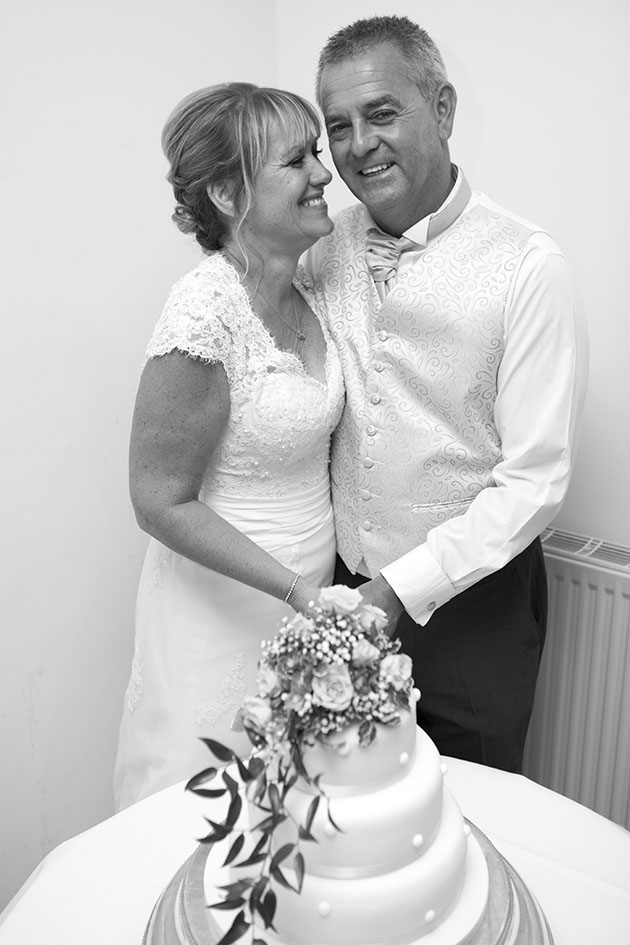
x=198 y=633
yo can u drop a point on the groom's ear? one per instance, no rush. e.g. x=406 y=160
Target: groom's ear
x=220 y=195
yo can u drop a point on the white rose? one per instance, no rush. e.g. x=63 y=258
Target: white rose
x=364 y=652
x=342 y=599
x=256 y=713
x=371 y=616
x=396 y=669
x=334 y=690
x=266 y=680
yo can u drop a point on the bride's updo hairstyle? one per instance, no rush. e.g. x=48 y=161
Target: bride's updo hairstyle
x=221 y=135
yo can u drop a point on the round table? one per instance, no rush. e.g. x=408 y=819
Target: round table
x=99 y=888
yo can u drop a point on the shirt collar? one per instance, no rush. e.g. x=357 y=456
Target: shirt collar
x=435 y=223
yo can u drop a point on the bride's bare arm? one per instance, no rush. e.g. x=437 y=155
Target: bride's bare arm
x=181 y=412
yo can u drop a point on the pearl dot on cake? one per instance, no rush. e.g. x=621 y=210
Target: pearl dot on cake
x=415 y=695
x=404 y=759
x=329 y=830
x=429 y=916
x=324 y=909
x=444 y=768
x=343 y=750
x=417 y=840
x=466 y=830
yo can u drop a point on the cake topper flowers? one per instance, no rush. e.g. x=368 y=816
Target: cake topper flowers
x=320 y=674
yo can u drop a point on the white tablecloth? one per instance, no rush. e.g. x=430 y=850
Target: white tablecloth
x=99 y=888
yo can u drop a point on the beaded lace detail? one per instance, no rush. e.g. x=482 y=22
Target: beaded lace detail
x=281 y=418
x=231 y=692
x=135 y=687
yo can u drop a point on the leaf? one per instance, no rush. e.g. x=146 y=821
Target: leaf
x=235 y=849
x=304 y=834
x=256 y=856
x=274 y=799
x=256 y=767
x=330 y=819
x=238 y=888
x=298 y=866
x=312 y=810
x=243 y=770
x=269 y=905
x=218 y=832
x=251 y=860
x=279 y=877
x=227 y=904
x=269 y=824
x=281 y=855
x=258 y=890
x=206 y=792
x=234 y=811
x=230 y=783
x=202 y=778
x=288 y=784
x=222 y=752
x=238 y=928
x=261 y=787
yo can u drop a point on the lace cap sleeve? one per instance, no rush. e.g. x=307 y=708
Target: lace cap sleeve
x=199 y=317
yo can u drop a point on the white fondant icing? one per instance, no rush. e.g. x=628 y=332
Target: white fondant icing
x=376 y=822
x=441 y=878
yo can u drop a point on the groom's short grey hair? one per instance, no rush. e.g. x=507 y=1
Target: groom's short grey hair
x=425 y=66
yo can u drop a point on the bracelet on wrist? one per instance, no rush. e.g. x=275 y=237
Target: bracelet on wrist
x=291 y=589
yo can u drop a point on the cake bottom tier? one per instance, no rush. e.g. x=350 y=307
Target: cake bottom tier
x=511 y=916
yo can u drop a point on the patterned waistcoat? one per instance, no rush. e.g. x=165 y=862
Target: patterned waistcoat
x=417 y=440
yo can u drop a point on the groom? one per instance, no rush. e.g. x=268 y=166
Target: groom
x=464 y=353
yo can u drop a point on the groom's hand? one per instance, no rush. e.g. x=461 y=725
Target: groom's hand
x=379 y=593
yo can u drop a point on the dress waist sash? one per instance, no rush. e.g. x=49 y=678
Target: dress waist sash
x=275 y=520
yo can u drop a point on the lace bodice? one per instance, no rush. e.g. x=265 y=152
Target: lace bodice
x=281 y=418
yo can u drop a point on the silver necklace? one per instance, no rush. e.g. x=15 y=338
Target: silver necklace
x=297 y=328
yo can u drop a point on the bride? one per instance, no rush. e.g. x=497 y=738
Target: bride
x=240 y=392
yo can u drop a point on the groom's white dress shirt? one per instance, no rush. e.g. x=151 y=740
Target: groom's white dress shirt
x=464 y=388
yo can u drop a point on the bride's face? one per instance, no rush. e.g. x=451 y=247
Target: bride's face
x=289 y=211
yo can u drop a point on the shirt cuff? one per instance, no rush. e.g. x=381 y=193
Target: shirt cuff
x=419 y=582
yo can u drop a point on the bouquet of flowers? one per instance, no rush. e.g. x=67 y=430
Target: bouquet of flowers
x=319 y=675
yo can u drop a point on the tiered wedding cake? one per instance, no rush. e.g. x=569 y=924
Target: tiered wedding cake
x=341 y=831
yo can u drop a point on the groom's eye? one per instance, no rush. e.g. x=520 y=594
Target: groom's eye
x=383 y=116
x=336 y=130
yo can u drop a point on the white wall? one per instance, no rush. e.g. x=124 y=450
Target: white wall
x=90 y=252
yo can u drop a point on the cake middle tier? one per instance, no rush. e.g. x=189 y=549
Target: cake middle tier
x=382 y=826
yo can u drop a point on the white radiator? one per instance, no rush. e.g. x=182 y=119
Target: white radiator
x=579 y=739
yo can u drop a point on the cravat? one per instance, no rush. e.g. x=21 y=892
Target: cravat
x=382 y=254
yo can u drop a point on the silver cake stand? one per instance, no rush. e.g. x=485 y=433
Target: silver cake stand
x=512 y=917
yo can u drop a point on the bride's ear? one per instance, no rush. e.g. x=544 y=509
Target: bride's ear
x=220 y=195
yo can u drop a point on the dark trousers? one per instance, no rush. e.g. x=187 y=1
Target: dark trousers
x=477 y=659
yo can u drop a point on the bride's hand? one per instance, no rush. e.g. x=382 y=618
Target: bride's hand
x=304 y=596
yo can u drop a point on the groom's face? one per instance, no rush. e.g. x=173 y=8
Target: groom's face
x=388 y=143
